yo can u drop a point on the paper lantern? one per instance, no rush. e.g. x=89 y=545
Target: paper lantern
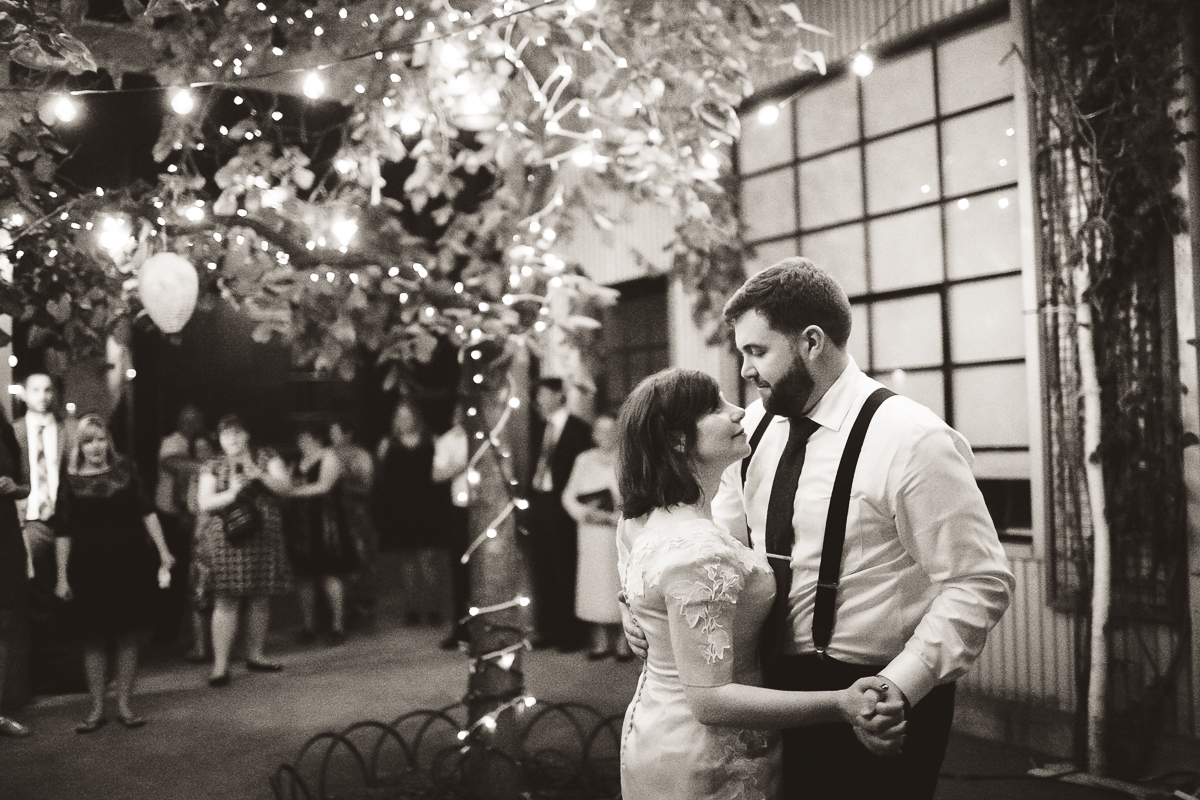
x=168 y=285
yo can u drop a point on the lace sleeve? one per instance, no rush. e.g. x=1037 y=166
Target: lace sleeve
x=701 y=582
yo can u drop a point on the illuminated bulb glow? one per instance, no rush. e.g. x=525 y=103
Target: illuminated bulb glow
x=313 y=87
x=65 y=109
x=863 y=65
x=768 y=114
x=182 y=102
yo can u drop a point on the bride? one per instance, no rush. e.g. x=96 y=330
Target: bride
x=700 y=725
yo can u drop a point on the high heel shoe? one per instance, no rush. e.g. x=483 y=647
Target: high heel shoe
x=131 y=721
x=91 y=725
x=219 y=681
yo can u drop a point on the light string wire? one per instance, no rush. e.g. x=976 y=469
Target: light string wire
x=860 y=49
x=231 y=82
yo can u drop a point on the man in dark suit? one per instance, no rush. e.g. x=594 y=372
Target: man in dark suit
x=44 y=440
x=557 y=438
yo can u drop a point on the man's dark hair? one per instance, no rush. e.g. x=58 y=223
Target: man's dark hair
x=791 y=295
x=657 y=431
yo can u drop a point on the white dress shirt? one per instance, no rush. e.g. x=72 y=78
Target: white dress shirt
x=923 y=576
x=48 y=440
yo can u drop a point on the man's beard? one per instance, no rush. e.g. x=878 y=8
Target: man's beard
x=788 y=395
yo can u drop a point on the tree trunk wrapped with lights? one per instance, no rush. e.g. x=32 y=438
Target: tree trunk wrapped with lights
x=495 y=401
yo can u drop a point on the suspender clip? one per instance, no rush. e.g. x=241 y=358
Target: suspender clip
x=829 y=585
x=821 y=653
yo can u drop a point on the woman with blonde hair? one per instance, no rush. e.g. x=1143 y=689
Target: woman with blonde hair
x=106 y=566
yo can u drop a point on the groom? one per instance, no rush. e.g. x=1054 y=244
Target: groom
x=895 y=567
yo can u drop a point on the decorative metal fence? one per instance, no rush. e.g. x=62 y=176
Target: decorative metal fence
x=565 y=751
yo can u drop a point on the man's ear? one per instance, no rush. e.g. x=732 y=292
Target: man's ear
x=814 y=342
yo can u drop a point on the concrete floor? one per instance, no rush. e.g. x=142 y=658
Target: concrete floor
x=202 y=743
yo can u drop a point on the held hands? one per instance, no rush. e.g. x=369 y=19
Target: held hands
x=63 y=590
x=876 y=711
x=7 y=486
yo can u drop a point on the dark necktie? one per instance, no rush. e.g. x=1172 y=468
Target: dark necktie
x=780 y=537
x=45 y=508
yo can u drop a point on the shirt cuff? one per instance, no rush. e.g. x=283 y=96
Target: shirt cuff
x=911 y=676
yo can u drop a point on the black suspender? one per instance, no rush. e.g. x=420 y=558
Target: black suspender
x=835 y=522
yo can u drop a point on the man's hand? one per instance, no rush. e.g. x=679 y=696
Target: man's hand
x=63 y=591
x=7 y=486
x=633 y=632
x=876 y=711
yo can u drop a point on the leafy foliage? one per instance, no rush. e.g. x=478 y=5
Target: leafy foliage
x=505 y=117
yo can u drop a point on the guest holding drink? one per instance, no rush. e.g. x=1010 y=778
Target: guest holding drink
x=248 y=561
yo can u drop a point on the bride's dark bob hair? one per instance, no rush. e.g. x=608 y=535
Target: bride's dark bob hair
x=657 y=429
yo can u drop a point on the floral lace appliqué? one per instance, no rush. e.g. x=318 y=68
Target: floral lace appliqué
x=699 y=605
x=742 y=748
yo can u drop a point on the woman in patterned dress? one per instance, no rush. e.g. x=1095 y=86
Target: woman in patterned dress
x=700 y=726
x=250 y=572
x=107 y=568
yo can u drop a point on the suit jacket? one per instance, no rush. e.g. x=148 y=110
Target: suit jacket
x=576 y=437
x=66 y=432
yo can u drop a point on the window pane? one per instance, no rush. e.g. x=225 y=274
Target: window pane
x=768 y=204
x=898 y=93
x=925 y=386
x=906 y=249
x=984 y=236
x=857 y=347
x=980 y=150
x=762 y=145
x=830 y=189
x=902 y=170
x=990 y=405
x=765 y=254
x=842 y=253
x=986 y=322
x=969 y=68
x=1004 y=464
x=827 y=116
x=907 y=333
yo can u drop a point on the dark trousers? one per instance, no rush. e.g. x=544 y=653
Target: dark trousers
x=175 y=607
x=553 y=554
x=55 y=659
x=827 y=762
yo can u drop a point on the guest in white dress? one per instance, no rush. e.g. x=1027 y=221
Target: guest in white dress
x=591 y=498
x=700 y=724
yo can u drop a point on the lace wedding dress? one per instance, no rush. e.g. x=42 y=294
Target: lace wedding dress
x=701 y=597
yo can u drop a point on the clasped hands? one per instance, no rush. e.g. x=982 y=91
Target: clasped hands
x=875 y=709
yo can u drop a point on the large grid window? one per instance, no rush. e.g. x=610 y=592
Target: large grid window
x=903 y=185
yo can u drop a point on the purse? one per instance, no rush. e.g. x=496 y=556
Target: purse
x=241 y=518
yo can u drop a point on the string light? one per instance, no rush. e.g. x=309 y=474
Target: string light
x=65 y=109
x=863 y=65
x=182 y=102
x=313 y=86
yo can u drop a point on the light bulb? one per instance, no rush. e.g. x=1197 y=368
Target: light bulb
x=344 y=230
x=863 y=65
x=585 y=5
x=182 y=102
x=583 y=156
x=65 y=109
x=768 y=114
x=314 y=87
x=411 y=125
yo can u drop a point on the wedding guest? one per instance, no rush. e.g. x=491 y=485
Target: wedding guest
x=322 y=550
x=591 y=498
x=357 y=486
x=43 y=437
x=558 y=436
x=411 y=513
x=180 y=456
x=245 y=572
x=15 y=565
x=107 y=570
x=451 y=451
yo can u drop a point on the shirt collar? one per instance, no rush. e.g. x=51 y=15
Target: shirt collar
x=34 y=419
x=559 y=418
x=834 y=406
